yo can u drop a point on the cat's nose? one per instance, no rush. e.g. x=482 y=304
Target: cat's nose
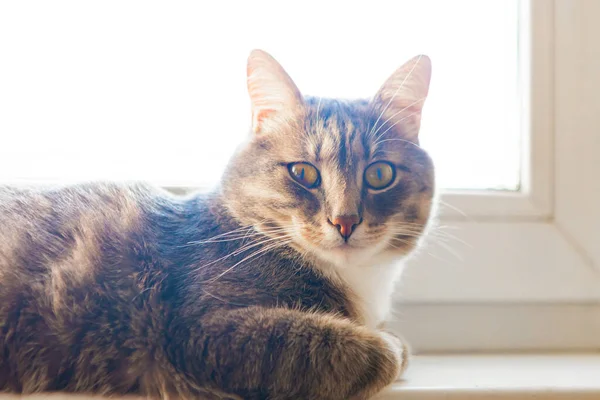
x=346 y=224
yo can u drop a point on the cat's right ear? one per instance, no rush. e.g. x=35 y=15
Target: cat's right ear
x=274 y=96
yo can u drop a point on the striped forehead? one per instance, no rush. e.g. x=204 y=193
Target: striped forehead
x=336 y=131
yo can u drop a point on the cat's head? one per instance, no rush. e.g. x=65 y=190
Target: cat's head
x=339 y=180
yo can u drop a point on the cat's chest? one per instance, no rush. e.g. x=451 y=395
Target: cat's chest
x=372 y=286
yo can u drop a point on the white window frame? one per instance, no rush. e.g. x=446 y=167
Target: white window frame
x=528 y=277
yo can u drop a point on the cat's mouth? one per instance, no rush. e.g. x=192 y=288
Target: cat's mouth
x=345 y=248
x=329 y=245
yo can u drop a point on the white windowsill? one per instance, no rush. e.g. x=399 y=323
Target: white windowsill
x=481 y=377
x=499 y=377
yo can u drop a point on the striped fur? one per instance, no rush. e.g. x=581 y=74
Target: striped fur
x=247 y=292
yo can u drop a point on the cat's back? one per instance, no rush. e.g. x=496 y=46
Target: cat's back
x=42 y=226
x=69 y=269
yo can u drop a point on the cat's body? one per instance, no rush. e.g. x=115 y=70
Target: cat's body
x=100 y=284
x=245 y=292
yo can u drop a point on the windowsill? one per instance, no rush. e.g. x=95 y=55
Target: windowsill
x=499 y=377
x=482 y=377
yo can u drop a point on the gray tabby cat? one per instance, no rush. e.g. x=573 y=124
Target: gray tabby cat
x=274 y=286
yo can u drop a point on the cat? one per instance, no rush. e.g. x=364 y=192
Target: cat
x=275 y=285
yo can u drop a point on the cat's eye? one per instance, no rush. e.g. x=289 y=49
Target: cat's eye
x=305 y=174
x=380 y=175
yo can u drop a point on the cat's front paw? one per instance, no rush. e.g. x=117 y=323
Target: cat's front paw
x=400 y=350
x=391 y=361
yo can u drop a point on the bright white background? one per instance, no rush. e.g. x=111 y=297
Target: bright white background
x=156 y=91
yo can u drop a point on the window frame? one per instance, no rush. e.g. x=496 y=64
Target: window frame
x=534 y=199
x=528 y=276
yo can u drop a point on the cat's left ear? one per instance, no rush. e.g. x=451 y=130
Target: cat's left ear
x=274 y=96
x=400 y=100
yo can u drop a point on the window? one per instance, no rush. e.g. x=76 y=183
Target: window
x=157 y=92
x=132 y=90
x=521 y=269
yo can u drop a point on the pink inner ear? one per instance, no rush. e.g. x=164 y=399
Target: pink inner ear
x=271 y=90
x=259 y=112
x=260 y=115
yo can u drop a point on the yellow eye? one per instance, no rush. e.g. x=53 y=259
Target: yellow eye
x=379 y=175
x=305 y=174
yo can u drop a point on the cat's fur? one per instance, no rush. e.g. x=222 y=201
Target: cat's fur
x=248 y=292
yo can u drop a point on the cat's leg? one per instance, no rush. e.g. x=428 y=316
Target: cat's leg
x=288 y=354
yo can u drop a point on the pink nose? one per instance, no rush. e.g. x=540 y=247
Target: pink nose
x=346 y=224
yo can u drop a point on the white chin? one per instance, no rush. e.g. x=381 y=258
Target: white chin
x=344 y=256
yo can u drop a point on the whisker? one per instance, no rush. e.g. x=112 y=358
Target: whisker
x=436 y=257
x=241 y=237
x=453 y=227
x=224 y=234
x=243 y=243
x=256 y=243
x=438 y=233
x=236 y=234
x=237 y=231
x=458 y=210
x=434 y=232
x=256 y=253
x=419 y=234
x=441 y=243
x=430 y=254
x=450 y=250
x=420 y=226
x=238 y=251
x=453 y=237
